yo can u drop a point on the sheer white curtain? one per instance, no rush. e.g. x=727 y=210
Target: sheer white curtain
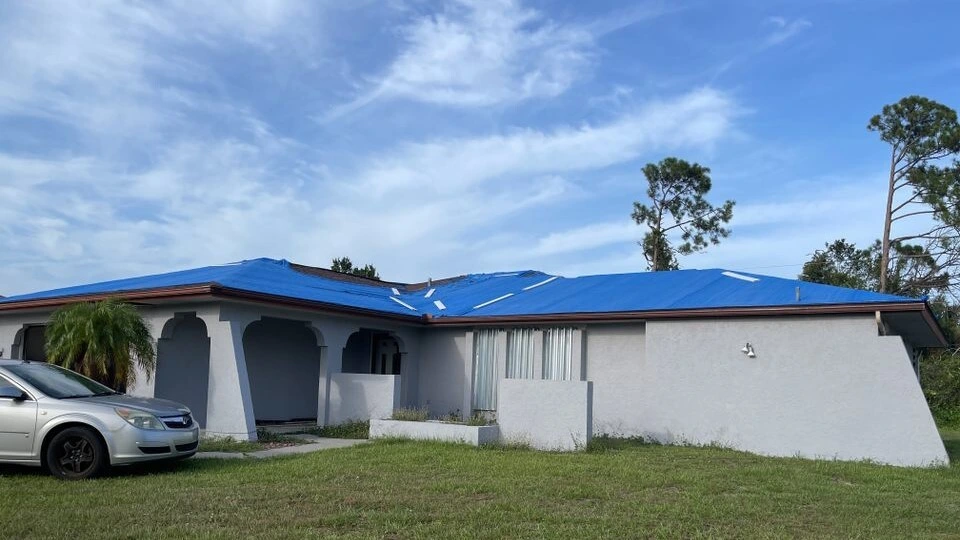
x=558 y=354
x=484 y=370
x=520 y=353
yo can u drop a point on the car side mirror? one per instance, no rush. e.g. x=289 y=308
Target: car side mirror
x=10 y=392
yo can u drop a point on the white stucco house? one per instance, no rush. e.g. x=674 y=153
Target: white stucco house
x=763 y=364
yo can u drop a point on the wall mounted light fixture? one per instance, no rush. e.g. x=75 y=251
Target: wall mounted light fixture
x=748 y=350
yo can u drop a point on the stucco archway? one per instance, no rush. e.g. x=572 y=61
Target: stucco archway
x=283 y=366
x=183 y=364
x=30 y=343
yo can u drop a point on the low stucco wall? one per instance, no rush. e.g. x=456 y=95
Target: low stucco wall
x=434 y=431
x=819 y=387
x=548 y=415
x=357 y=396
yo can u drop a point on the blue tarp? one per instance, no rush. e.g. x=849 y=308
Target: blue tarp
x=503 y=293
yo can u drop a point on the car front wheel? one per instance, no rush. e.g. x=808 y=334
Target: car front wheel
x=76 y=453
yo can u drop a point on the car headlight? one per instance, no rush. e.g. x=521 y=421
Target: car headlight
x=140 y=419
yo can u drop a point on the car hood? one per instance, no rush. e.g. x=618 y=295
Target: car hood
x=154 y=406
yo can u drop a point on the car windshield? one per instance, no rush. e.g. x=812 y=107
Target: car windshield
x=57 y=382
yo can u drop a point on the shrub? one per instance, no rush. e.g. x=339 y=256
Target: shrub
x=412 y=414
x=940 y=378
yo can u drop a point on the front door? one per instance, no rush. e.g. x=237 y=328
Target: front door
x=18 y=422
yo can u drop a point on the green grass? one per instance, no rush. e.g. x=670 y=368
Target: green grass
x=348 y=430
x=390 y=489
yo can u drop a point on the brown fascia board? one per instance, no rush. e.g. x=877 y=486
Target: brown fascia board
x=239 y=294
x=207 y=289
x=133 y=296
x=213 y=289
x=634 y=316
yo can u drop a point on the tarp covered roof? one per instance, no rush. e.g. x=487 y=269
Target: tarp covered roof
x=523 y=293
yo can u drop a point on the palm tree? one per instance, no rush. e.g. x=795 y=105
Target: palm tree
x=103 y=340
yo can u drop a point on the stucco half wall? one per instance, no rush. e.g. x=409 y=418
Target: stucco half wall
x=819 y=387
x=548 y=415
x=360 y=396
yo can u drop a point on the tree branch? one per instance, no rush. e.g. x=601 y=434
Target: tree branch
x=917 y=213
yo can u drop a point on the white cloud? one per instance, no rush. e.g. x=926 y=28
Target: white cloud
x=769 y=236
x=420 y=205
x=697 y=118
x=784 y=29
x=112 y=68
x=490 y=52
x=134 y=180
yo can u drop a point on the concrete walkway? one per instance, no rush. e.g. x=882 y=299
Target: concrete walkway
x=314 y=444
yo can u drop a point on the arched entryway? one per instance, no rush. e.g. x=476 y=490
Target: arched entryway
x=372 y=351
x=183 y=364
x=30 y=343
x=283 y=367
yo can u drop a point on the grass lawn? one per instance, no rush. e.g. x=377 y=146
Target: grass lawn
x=407 y=489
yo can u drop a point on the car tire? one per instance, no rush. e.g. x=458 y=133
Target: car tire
x=76 y=453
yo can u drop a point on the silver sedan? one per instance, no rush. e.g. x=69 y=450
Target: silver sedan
x=77 y=428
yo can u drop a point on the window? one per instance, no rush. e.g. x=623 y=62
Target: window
x=520 y=353
x=485 y=370
x=57 y=382
x=7 y=385
x=558 y=354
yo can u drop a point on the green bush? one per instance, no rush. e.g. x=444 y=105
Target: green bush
x=412 y=414
x=940 y=378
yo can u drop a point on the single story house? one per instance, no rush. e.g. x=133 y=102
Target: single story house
x=763 y=364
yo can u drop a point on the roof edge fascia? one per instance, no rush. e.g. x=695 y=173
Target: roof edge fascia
x=214 y=289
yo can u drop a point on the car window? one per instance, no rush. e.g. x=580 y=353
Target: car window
x=57 y=382
x=5 y=384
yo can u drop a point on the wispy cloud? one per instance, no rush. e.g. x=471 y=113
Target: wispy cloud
x=775 y=236
x=206 y=200
x=476 y=53
x=784 y=29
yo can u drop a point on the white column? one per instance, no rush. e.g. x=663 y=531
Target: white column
x=335 y=339
x=467 y=409
x=409 y=368
x=229 y=405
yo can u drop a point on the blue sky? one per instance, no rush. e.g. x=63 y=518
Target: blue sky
x=433 y=139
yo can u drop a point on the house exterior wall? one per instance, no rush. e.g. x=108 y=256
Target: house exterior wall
x=445 y=370
x=819 y=387
x=615 y=362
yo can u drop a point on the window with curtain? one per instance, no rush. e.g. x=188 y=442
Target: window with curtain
x=520 y=353
x=485 y=369
x=558 y=354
